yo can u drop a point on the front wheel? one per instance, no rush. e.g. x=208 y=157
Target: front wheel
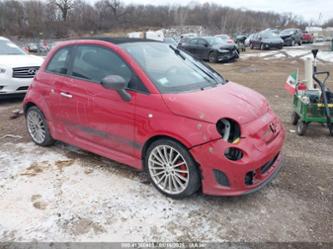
x=212 y=57
x=172 y=169
x=37 y=127
x=301 y=127
x=294 y=118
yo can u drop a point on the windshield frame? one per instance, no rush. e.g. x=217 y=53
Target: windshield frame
x=212 y=77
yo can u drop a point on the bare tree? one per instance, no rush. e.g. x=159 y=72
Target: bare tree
x=33 y=17
x=64 y=6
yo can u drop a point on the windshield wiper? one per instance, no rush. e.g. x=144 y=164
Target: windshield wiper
x=177 y=52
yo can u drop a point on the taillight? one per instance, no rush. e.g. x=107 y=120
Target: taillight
x=230 y=41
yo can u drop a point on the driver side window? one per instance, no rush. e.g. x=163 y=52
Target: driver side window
x=93 y=63
x=193 y=41
x=202 y=42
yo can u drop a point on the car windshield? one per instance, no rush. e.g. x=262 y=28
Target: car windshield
x=9 y=48
x=287 y=31
x=214 y=40
x=223 y=37
x=269 y=35
x=170 y=69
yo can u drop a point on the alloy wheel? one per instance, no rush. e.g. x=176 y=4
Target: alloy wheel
x=36 y=127
x=168 y=169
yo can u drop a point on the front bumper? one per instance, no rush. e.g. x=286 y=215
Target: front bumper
x=261 y=161
x=287 y=41
x=12 y=86
x=228 y=55
x=273 y=45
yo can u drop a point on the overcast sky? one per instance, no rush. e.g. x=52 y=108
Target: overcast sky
x=308 y=9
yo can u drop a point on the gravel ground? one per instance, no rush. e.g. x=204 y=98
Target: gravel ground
x=62 y=193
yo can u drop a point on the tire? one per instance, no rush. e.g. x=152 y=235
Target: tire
x=300 y=43
x=176 y=182
x=37 y=127
x=262 y=46
x=212 y=57
x=330 y=128
x=294 y=118
x=292 y=43
x=301 y=127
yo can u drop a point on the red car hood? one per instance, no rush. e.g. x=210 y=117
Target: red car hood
x=224 y=101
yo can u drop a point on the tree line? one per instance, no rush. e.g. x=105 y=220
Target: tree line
x=63 y=18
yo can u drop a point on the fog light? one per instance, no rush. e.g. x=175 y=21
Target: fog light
x=221 y=178
x=233 y=154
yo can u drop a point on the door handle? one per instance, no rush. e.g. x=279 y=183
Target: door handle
x=66 y=95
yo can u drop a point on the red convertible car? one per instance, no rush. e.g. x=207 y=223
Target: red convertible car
x=153 y=107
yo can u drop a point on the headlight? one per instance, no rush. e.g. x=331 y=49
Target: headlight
x=229 y=130
x=223 y=51
x=2 y=70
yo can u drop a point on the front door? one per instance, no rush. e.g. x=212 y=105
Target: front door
x=101 y=117
x=203 y=49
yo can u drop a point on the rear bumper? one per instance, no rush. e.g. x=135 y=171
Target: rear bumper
x=307 y=40
x=260 y=164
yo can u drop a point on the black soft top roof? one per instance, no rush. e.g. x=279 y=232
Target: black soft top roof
x=118 y=40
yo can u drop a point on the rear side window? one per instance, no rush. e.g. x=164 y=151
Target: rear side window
x=59 y=62
x=202 y=42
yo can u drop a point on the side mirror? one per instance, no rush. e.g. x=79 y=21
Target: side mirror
x=118 y=83
x=206 y=45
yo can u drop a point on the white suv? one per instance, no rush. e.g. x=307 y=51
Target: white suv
x=17 y=68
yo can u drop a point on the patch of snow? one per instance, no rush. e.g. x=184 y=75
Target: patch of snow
x=48 y=196
x=297 y=53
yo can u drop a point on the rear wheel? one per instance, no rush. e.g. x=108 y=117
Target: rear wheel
x=212 y=57
x=37 y=127
x=294 y=118
x=301 y=127
x=171 y=169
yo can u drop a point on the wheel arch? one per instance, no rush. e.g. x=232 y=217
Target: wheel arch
x=163 y=136
x=158 y=137
x=27 y=105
